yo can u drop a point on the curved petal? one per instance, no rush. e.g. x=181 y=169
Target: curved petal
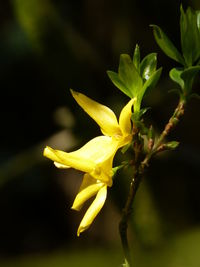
x=93 y=210
x=125 y=118
x=69 y=159
x=97 y=150
x=88 y=189
x=103 y=115
x=95 y=157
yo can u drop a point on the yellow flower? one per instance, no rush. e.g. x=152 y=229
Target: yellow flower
x=95 y=158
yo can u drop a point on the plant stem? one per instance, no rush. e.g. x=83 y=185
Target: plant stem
x=123 y=225
x=175 y=118
x=138 y=174
x=178 y=113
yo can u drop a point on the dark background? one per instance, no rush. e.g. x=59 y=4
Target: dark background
x=46 y=48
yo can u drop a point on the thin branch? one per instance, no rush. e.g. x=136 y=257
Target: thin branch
x=139 y=172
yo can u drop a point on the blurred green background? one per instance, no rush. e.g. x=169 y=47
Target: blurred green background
x=47 y=47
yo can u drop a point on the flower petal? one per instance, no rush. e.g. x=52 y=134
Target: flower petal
x=69 y=159
x=104 y=172
x=97 y=150
x=95 y=157
x=103 y=115
x=93 y=210
x=88 y=189
x=125 y=118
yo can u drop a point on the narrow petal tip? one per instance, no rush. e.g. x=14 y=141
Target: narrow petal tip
x=73 y=207
x=73 y=92
x=81 y=229
x=45 y=151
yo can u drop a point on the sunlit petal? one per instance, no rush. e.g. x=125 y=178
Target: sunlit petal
x=93 y=210
x=98 y=149
x=88 y=189
x=95 y=157
x=87 y=180
x=69 y=159
x=125 y=118
x=103 y=115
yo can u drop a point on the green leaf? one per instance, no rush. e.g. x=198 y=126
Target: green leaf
x=148 y=65
x=190 y=35
x=129 y=75
x=136 y=58
x=175 y=75
x=185 y=77
x=166 y=44
x=150 y=83
x=188 y=76
x=118 y=83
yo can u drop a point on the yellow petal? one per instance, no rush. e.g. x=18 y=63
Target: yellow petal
x=103 y=115
x=103 y=171
x=69 y=159
x=125 y=118
x=95 y=157
x=88 y=189
x=93 y=210
x=97 y=150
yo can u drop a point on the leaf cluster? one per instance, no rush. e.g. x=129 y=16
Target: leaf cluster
x=136 y=76
x=189 y=56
